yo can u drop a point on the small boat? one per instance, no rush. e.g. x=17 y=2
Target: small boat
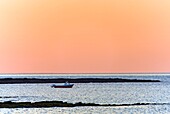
x=65 y=85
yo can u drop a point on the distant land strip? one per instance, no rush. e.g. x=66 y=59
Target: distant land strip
x=76 y=80
x=43 y=104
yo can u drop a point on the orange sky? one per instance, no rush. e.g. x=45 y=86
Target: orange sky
x=84 y=36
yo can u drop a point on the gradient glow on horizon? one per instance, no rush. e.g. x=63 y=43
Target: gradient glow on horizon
x=84 y=36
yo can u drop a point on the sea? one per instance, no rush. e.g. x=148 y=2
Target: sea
x=100 y=93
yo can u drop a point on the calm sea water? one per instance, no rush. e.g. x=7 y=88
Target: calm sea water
x=104 y=93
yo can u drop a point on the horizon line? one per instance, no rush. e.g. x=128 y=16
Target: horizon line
x=97 y=73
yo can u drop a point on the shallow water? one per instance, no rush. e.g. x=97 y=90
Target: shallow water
x=104 y=93
x=112 y=93
x=162 y=109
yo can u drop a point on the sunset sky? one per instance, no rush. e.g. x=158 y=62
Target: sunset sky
x=84 y=36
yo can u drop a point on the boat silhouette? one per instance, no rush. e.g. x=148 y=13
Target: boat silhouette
x=65 y=85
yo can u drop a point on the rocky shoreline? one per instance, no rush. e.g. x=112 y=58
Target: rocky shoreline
x=77 y=80
x=46 y=104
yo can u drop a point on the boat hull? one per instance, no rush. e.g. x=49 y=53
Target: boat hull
x=62 y=86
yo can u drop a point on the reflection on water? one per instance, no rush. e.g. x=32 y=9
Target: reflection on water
x=104 y=93
x=108 y=93
x=163 y=109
